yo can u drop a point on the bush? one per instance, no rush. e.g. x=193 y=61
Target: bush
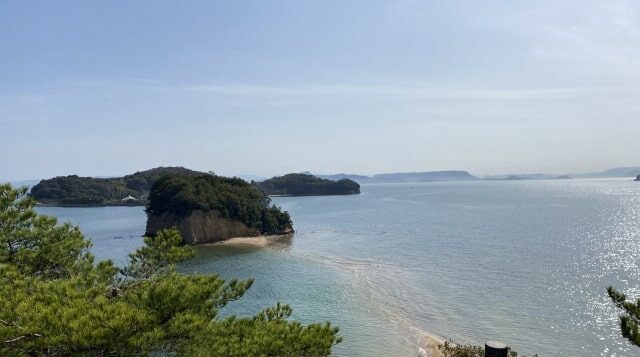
x=450 y=349
x=630 y=318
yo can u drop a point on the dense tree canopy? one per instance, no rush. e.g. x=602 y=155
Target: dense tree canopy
x=307 y=185
x=75 y=190
x=232 y=197
x=55 y=300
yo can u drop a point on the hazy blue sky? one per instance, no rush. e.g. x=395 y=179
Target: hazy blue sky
x=269 y=87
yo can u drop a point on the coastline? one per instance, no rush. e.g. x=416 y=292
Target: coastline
x=314 y=194
x=256 y=241
x=429 y=345
x=79 y=205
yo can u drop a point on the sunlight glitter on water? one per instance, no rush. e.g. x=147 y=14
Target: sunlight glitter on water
x=524 y=262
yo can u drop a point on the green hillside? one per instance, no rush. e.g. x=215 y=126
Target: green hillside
x=307 y=185
x=80 y=191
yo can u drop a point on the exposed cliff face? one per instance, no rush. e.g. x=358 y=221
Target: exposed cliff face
x=200 y=227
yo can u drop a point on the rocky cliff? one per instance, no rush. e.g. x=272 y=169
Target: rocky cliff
x=200 y=227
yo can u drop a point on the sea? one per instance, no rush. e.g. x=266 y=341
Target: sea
x=523 y=262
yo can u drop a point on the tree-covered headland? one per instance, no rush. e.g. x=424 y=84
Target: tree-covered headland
x=307 y=185
x=232 y=198
x=80 y=191
x=56 y=300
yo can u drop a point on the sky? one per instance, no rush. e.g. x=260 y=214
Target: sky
x=271 y=87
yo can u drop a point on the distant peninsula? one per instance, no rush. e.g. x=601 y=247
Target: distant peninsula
x=400 y=177
x=307 y=185
x=521 y=177
x=209 y=208
x=128 y=190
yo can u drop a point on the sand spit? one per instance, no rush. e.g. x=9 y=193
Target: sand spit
x=259 y=241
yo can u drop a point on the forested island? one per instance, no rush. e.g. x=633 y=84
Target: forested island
x=117 y=191
x=209 y=208
x=307 y=185
x=133 y=190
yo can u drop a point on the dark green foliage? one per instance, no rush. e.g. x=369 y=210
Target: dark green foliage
x=449 y=349
x=35 y=245
x=232 y=197
x=55 y=301
x=307 y=185
x=79 y=191
x=630 y=318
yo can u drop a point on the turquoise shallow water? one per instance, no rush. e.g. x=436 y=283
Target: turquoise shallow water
x=525 y=262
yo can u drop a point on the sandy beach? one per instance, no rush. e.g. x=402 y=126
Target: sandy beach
x=259 y=241
x=430 y=346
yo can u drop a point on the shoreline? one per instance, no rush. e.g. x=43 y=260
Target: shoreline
x=256 y=241
x=79 y=205
x=314 y=195
x=429 y=345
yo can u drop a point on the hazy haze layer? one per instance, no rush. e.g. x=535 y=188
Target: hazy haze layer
x=360 y=87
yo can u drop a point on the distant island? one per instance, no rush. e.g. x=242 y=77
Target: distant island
x=516 y=178
x=133 y=190
x=307 y=185
x=631 y=171
x=117 y=191
x=399 y=177
x=637 y=178
x=457 y=175
x=208 y=208
x=521 y=177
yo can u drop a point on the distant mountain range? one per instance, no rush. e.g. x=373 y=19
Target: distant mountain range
x=632 y=171
x=398 y=177
x=611 y=173
x=537 y=176
x=516 y=177
x=436 y=176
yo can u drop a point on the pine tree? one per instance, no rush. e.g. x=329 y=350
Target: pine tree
x=56 y=300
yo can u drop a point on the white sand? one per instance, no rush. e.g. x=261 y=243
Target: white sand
x=259 y=241
x=430 y=345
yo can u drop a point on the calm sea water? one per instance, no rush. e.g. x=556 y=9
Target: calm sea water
x=524 y=262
